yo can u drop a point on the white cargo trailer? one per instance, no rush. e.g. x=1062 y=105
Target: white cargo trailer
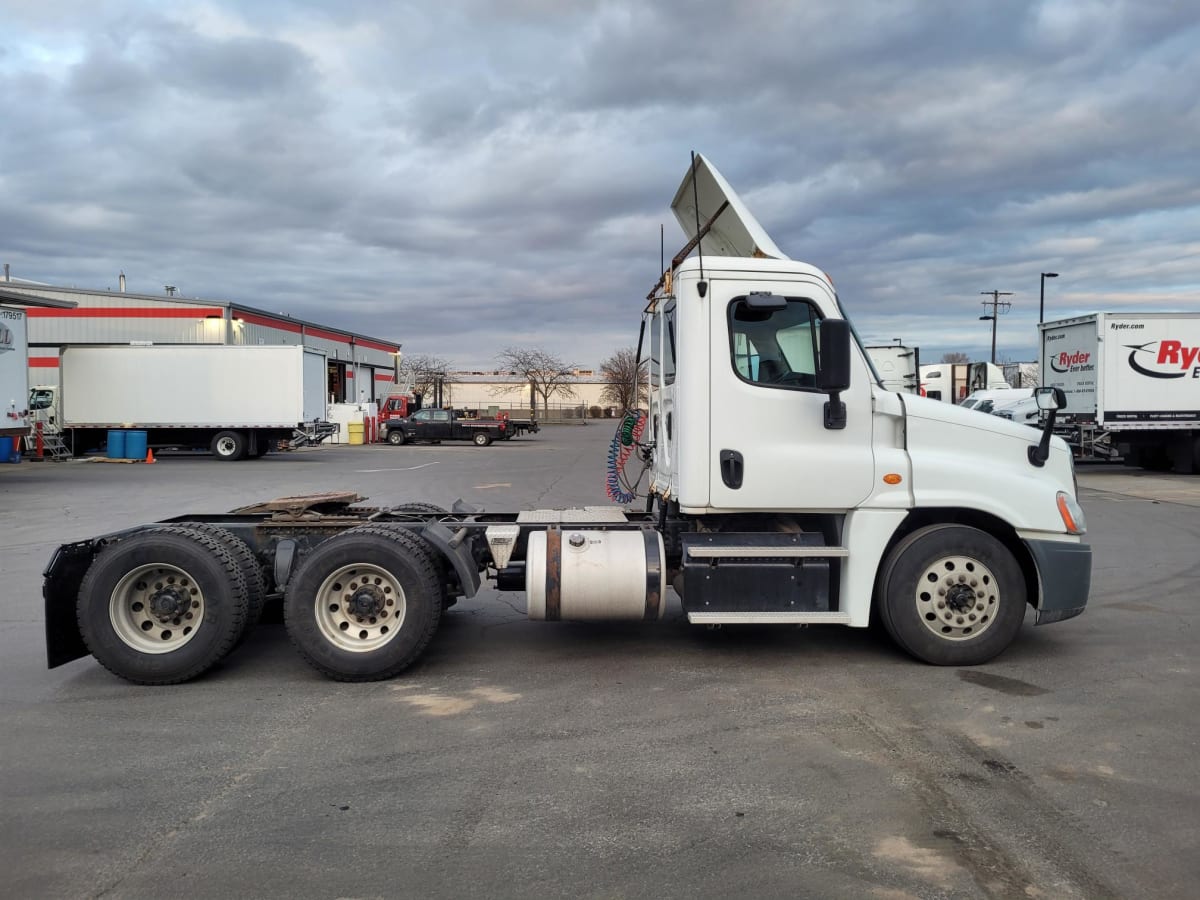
x=898 y=367
x=1133 y=378
x=14 y=382
x=231 y=400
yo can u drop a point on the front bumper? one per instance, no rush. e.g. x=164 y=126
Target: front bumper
x=1065 y=575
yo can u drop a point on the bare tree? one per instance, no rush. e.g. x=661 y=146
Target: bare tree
x=622 y=371
x=546 y=373
x=955 y=357
x=422 y=370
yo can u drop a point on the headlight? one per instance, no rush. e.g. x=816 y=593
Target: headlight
x=1072 y=513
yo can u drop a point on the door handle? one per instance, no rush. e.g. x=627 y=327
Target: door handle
x=731 y=468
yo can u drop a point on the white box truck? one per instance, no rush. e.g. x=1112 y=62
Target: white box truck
x=231 y=400
x=1131 y=379
x=14 y=377
x=786 y=486
x=954 y=382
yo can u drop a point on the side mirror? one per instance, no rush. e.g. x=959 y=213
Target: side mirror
x=833 y=369
x=833 y=373
x=1049 y=398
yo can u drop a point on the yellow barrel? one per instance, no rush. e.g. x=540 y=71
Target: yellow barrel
x=355 y=432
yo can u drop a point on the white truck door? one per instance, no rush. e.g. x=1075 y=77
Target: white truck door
x=769 y=446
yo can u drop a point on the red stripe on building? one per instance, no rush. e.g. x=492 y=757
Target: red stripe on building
x=326 y=335
x=266 y=321
x=375 y=345
x=125 y=312
x=43 y=362
x=389 y=377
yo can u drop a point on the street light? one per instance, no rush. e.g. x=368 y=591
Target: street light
x=1042 y=302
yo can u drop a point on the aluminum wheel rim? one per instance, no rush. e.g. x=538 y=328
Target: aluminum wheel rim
x=957 y=598
x=156 y=608
x=360 y=607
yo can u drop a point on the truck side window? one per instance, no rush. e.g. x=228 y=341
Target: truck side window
x=441 y=415
x=669 y=345
x=422 y=416
x=655 y=361
x=775 y=347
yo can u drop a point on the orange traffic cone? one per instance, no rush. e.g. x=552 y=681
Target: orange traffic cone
x=150 y=456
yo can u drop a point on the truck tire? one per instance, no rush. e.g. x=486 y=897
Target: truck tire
x=438 y=561
x=395 y=437
x=364 y=604
x=951 y=595
x=248 y=565
x=163 y=605
x=228 y=445
x=482 y=439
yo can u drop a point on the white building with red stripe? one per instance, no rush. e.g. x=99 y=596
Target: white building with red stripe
x=361 y=368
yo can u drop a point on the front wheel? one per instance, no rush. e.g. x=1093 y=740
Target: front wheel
x=395 y=437
x=952 y=595
x=482 y=439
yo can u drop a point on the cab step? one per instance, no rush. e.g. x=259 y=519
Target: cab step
x=769 y=618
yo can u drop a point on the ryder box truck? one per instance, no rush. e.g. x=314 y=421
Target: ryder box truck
x=1134 y=377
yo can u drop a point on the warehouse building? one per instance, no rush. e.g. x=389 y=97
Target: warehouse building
x=361 y=368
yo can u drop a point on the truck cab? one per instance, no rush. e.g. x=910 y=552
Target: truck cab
x=767 y=420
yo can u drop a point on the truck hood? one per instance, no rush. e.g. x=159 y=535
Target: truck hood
x=937 y=411
x=963 y=458
x=735 y=232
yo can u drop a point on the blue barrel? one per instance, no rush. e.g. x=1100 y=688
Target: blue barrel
x=6 y=449
x=135 y=445
x=116 y=445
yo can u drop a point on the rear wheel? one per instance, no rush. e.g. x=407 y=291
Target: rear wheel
x=228 y=445
x=364 y=605
x=482 y=439
x=438 y=561
x=163 y=605
x=952 y=595
x=248 y=565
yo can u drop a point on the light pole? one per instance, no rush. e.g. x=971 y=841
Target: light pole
x=1042 y=302
x=998 y=306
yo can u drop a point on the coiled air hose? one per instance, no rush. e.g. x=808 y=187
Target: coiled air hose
x=626 y=438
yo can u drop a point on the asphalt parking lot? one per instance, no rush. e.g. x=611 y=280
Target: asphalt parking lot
x=533 y=759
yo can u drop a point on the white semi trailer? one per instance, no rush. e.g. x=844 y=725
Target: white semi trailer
x=1132 y=382
x=786 y=486
x=898 y=367
x=14 y=382
x=232 y=400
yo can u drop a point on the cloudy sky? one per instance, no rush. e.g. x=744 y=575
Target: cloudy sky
x=464 y=175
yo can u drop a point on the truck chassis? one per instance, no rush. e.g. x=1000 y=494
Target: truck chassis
x=363 y=588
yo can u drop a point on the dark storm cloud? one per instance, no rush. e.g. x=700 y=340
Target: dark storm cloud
x=475 y=174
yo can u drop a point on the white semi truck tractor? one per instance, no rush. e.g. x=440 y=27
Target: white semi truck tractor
x=785 y=486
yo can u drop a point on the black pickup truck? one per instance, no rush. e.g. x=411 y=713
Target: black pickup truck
x=444 y=425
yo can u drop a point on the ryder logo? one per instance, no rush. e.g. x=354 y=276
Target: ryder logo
x=1066 y=361
x=6 y=340
x=1171 y=360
